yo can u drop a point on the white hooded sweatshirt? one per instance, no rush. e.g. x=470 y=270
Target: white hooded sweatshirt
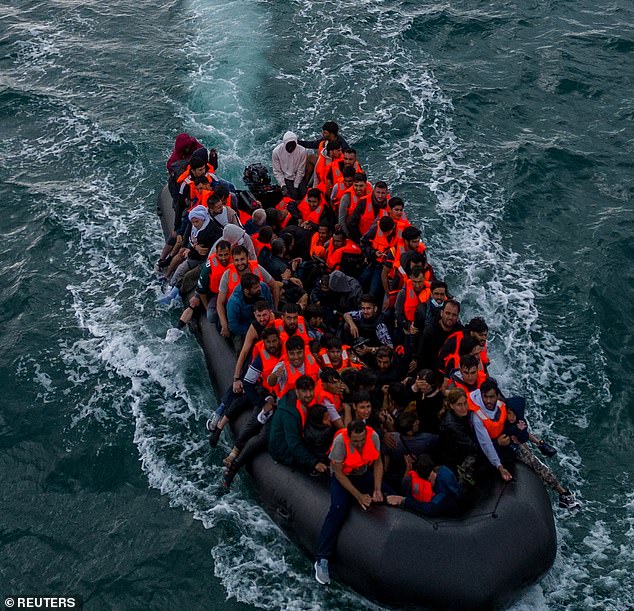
x=289 y=166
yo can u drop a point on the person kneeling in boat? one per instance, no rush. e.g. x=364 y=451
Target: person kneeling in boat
x=285 y=433
x=429 y=490
x=356 y=474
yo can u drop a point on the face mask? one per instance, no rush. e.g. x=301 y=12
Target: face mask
x=437 y=304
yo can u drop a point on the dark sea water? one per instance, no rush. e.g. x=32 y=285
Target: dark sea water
x=506 y=126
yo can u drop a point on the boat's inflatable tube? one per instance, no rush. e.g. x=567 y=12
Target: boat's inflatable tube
x=480 y=561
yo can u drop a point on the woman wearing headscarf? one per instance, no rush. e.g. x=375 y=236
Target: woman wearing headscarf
x=236 y=235
x=199 y=237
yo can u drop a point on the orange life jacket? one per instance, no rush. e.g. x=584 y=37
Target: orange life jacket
x=309 y=215
x=347 y=360
x=421 y=488
x=316 y=248
x=354 y=459
x=455 y=382
x=494 y=427
x=234 y=276
x=216 y=270
x=268 y=363
x=311 y=368
x=413 y=300
x=333 y=256
x=278 y=323
x=382 y=245
x=321 y=393
x=303 y=412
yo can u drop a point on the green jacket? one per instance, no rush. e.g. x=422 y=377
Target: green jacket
x=286 y=435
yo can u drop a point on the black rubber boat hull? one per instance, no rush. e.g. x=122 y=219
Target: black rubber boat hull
x=480 y=561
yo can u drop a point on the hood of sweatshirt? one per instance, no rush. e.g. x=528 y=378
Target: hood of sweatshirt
x=289 y=137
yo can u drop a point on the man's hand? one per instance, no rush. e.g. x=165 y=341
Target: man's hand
x=320 y=467
x=224 y=331
x=365 y=500
x=237 y=387
x=503 y=440
x=412 y=366
x=394 y=499
x=377 y=497
x=504 y=474
x=389 y=440
x=354 y=330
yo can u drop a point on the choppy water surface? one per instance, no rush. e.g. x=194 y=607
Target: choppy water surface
x=506 y=127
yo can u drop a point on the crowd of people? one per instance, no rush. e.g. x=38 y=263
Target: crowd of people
x=352 y=358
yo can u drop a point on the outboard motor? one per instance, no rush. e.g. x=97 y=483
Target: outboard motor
x=256 y=178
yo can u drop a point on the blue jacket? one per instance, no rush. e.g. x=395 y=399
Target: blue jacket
x=240 y=313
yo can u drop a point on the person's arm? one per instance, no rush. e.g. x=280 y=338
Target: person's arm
x=354 y=330
x=249 y=341
x=310 y=144
x=278 y=375
x=221 y=308
x=234 y=315
x=383 y=334
x=486 y=445
x=399 y=310
x=277 y=168
x=344 y=204
x=377 y=471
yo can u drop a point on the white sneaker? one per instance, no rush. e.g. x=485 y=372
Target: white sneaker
x=212 y=422
x=322 y=575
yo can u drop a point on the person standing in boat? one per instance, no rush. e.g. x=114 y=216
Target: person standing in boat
x=356 y=475
x=289 y=165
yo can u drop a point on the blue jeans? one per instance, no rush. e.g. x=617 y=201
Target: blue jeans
x=340 y=502
x=370 y=281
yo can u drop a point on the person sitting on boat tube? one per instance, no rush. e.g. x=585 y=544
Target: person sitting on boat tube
x=240 y=306
x=285 y=430
x=488 y=416
x=239 y=266
x=356 y=475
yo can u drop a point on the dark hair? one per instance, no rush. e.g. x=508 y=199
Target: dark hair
x=339 y=232
x=305 y=383
x=261 y=305
x=290 y=308
x=366 y=378
x=386 y=223
x=330 y=126
x=269 y=332
x=399 y=393
x=361 y=396
x=278 y=246
x=395 y=201
x=221 y=191
x=477 y=324
x=222 y=245
x=316 y=413
x=384 y=352
x=333 y=144
x=248 y=281
x=356 y=426
x=424 y=466
x=467 y=344
x=197 y=162
x=368 y=298
x=265 y=235
x=295 y=342
x=348 y=172
x=381 y=184
x=468 y=361
x=314 y=193
x=239 y=249
x=410 y=232
x=360 y=177
x=328 y=375
x=350 y=150
x=489 y=385
x=436 y=284
x=453 y=302
x=333 y=342
x=313 y=310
